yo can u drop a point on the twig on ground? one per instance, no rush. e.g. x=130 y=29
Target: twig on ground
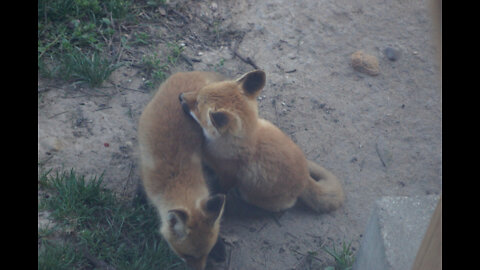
x=306 y=255
x=126 y=88
x=263 y=226
x=129 y=177
x=302 y=263
x=48 y=87
x=43 y=162
x=103 y=108
x=276 y=220
x=94 y=95
x=247 y=60
x=55 y=115
x=184 y=57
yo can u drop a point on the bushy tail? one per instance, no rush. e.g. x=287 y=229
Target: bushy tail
x=324 y=191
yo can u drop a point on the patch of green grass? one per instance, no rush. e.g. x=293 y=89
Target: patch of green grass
x=175 y=52
x=64 y=24
x=156 y=68
x=141 y=38
x=216 y=29
x=80 y=40
x=91 y=69
x=156 y=3
x=344 y=257
x=68 y=27
x=99 y=228
x=58 y=257
x=71 y=35
x=219 y=65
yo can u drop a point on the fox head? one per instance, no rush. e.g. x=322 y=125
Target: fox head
x=192 y=234
x=227 y=108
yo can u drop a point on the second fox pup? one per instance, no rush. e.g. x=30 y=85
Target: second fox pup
x=268 y=168
x=171 y=167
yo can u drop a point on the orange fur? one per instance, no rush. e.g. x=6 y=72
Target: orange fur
x=267 y=167
x=170 y=158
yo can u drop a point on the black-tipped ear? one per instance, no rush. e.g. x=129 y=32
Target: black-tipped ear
x=215 y=203
x=219 y=119
x=214 y=206
x=252 y=82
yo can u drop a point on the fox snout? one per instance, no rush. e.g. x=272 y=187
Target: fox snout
x=184 y=104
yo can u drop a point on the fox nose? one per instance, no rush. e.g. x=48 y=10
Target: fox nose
x=185 y=107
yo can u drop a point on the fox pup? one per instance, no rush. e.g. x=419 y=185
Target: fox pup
x=171 y=168
x=268 y=168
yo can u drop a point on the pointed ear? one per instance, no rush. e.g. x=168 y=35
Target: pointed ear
x=220 y=119
x=214 y=205
x=252 y=82
x=176 y=220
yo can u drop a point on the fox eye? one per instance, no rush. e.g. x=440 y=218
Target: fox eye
x=219 y=119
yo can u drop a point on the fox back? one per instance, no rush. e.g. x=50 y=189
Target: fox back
x=269 y=169
x=171 y=168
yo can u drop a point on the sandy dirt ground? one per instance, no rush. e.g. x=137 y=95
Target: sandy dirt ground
x=381 y=135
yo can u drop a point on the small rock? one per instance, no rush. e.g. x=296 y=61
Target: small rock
x=44 y=220
x=162 y=11
x=214 y=6
x=50 y=144
x=365 y=63
x=391 y=54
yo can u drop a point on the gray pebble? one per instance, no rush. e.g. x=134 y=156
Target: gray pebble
x=392 y=54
